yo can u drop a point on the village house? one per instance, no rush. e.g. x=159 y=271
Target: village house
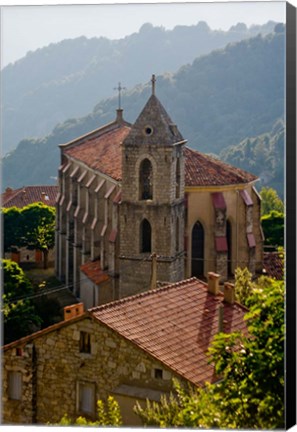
x=20 y=198
x=130 y=349
x=127 y=192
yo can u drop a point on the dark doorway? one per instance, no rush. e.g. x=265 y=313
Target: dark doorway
x=198 y=250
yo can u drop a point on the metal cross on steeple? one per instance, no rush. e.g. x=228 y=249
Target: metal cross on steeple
x=119 y=88
x=153 y=80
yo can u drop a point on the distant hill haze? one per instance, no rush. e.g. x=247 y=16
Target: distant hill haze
x=67 y=79
x=218 y=101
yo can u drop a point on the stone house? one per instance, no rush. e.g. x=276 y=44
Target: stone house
x=131 y=349
x=20 y=198
x=127 y=191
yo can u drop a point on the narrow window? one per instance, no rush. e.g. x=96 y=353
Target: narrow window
x=177 y=189
x=15 y=385
x=177 y=235
x=86 y=398
x=146 y=236
x=85 y=342
x=146 y=180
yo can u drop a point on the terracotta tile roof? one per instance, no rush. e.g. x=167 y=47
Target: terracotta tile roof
x=29 y=195
x=93 y=271
x=175 y=324
x=273 y=265
x=204 y=170
x=103 y=153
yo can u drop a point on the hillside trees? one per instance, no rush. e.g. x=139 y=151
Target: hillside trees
x=250 y=393
x=240 y=85
x=272 y=220
x=19 y=316
x=32 y=227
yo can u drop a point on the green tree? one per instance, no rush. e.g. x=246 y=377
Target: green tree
x=250 y=393
x=18 y=312
x=108 y=414
x=243 y=285
x=273 y=225
x=32 y=226
x=12 y=223
x=270 y=201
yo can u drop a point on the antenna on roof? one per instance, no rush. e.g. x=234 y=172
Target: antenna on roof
x=119 y=88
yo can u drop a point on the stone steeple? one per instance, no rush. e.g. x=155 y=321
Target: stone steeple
x=152 y=208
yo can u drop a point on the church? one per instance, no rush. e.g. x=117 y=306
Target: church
x=137 y=207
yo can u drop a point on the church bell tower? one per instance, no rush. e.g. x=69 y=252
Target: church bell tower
x=152 y=204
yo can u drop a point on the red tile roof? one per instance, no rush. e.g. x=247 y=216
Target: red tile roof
x=204 y=170
x=273 y=265
x=93 y=271
x=175 y=324
x=103 y=153
x=29 y=195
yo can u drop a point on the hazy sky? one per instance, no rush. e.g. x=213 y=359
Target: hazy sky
x=25 y=28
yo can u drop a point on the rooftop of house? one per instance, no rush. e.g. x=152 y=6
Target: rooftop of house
x=93 y=270
x=29 y=195
x=273 y=264
x=174 y=324
x=101 y=150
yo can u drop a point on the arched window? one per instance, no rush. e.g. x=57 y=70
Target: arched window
x=177 y=179
x=146 y=180
x=177 y=235
x=145 y=236
x=198 y=250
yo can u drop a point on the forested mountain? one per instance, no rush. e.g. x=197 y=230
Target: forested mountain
x=67 y=79
x=263 y=155
x=217 y=101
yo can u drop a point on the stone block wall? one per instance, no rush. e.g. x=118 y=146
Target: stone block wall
x=60 y=367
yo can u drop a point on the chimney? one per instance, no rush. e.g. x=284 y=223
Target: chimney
x=154 y=272
x=73 y=311
x=213 y=283
x=119 y=118
x=229 y=292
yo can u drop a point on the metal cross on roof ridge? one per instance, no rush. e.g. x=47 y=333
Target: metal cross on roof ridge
x=119 y=88
x=153 y=81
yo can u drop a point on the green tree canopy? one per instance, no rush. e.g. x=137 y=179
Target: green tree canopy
x=273 y=225
x=12 y=223
x=32 y=226
x=270 y=201
x=18 y=312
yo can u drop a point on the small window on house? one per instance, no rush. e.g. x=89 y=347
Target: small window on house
x=86 y=398
x=19 y=352
x=158 y=373
x=85 y=342
x=146 y=180
x=15 y=385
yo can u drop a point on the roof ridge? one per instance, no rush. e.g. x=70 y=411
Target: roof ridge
x=147 y=293
x=108 y=127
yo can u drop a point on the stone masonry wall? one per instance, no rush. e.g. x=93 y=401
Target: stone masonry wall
x=60 y=366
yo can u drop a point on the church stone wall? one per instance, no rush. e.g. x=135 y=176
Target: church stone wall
x=59 y=366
